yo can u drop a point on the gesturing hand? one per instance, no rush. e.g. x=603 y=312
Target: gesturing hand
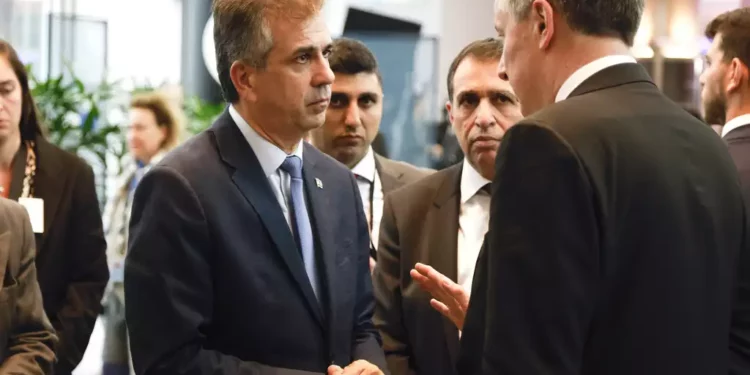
x=449 y=298
x=360 y=367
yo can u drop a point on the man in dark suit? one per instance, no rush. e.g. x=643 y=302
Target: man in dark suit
x=352 y=123
x=441 y=220
x=249 y=247
x=27 y=338
x=726 y=96
x=616 y=217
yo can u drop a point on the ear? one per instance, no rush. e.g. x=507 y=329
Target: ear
x=448 y=107
x=243 y=77
x=738 y=74
x=543 y=22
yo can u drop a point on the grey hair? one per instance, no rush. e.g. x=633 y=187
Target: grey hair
x=605 y=18
x=241 y=32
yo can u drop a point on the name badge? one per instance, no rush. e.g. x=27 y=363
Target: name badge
x=35 y=208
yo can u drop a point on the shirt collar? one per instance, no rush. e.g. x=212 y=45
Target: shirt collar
x=588 y=70
x=735 y=123
x=269 y=155
x=366 y=167
x=471 y=181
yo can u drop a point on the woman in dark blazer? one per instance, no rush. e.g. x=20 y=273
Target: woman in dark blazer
x=26 y=336
x=58 y=190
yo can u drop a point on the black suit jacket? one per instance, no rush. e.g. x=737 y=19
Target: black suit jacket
x=616 y=221
x=420 y=225
x=738 y=142
x=214 y=281
x=71 y=256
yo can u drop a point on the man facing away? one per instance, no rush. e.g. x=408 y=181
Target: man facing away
x=616 y=218
x=441 y=220
x=352 y=123
x=726 y=100
x=248 y=247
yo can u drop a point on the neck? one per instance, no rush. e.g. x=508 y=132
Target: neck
x=738 y=106
x=287 y=141
x=8 y=150
x=579 y=51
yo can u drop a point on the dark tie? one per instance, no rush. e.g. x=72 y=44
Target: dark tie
x=487 y=188
x=293 y=166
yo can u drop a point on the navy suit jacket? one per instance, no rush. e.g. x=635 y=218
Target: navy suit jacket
x=214 y=282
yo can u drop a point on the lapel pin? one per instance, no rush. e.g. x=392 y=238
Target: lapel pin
x=319 y=183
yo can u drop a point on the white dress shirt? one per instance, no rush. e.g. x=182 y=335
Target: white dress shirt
x=473 y=221
x=588 y=70
x=367 y=178
x=270 y=157
x=735 y=123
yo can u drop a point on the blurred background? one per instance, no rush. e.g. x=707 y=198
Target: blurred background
x=88 y=57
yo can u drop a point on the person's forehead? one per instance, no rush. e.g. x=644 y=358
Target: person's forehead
x=292 y=34
x=354 y=84
x=6 y=70
x=476 y=74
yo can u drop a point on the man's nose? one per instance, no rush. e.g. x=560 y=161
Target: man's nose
x=501 y=68
x=324 y=75
x=485 y=116
x=351 y=117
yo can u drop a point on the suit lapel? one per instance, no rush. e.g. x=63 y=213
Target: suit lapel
x=251 y=181
x=4 y=254
x=388 y=178
x=442 y=248
x=319 y=200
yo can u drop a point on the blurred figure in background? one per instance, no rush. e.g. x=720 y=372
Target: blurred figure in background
x=352 y=123
x=26 y=335
x=154 y=129
x=58 y=190
x=726 y=100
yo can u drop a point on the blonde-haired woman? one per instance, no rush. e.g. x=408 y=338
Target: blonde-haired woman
x=153 y=130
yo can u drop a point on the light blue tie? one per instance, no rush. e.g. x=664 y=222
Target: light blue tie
x=293 y=166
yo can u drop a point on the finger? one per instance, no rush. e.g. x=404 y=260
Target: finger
x=440 y=307
x=359 y=367
x=334 y=370
x=458 y=293
x=428 y=285
x=372 y=265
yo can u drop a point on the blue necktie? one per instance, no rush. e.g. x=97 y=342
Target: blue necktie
x=293 y=166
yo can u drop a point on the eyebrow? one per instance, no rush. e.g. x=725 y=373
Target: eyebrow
x=311 y=49
x=507 y=93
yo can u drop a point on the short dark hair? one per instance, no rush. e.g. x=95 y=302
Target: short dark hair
x=734 y=27
x=30 y=126
x=350 y=56
x=242 y=32
x=484 y=49
x=606 y=18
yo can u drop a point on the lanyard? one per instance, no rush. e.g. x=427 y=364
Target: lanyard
x=29 y=172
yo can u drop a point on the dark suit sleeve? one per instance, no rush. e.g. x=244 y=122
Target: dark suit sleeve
x=367 y=344
x=168 y=277
x=542 y=254
x=32 y=338
x=88 y=274
x=386 y=279
x=739 y=338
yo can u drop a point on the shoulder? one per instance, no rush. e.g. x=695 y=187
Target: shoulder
x=68 y=161
x=426 y=187
x=12 y=216
x=325 y=162
x=196 y=158
x=406 y=171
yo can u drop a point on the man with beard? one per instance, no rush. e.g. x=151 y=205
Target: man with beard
x=442 y=219
x=352 y=123
x=616 y=218
x=726 y=96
